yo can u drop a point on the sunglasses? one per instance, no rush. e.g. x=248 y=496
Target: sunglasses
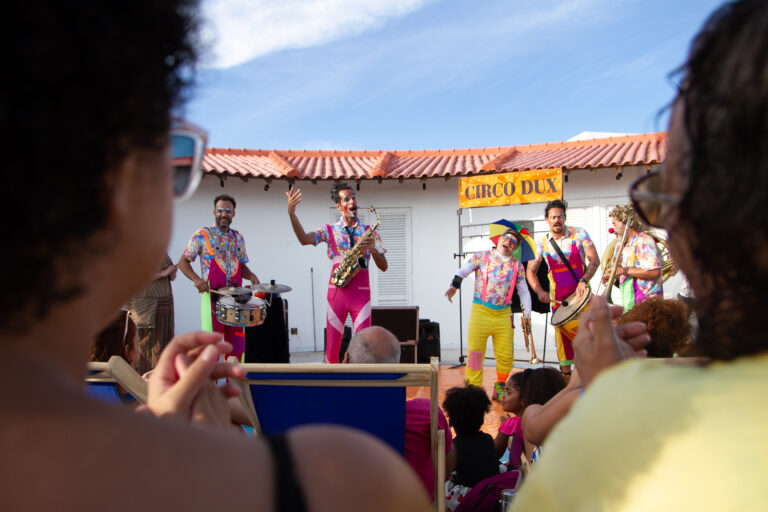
x=187 y=146
x=222 y=211
x=512 y=238
x=652 y=205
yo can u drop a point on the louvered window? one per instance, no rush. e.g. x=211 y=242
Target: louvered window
x=395 y=286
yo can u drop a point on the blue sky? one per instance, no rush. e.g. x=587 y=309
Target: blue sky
x=437 y=74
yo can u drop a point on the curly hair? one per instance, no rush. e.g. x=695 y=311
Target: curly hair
x=724 y=101
x=556 y=203
x=338 y=187
x=626 y=215
x=114 y=338
x=224 y=197
x=466 y=407
x=667 y=322
x=536 y=385
x=91 y=82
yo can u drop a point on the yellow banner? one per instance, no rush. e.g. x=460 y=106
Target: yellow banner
x=511 y=188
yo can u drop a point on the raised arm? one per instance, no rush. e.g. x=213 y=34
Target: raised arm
x=294 y=198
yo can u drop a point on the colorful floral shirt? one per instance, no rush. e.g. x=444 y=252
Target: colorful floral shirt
x=579 y=235
x=641 y=252
x=229 y=247
x=341 y=239
x=499 y=280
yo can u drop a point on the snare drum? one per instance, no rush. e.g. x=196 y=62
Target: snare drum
x=229 y=312
x=567 y=317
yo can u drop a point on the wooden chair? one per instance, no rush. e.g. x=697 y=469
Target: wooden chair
x=103 y=378
x=369 y=397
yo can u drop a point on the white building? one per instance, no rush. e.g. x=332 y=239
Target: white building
x=416 y=195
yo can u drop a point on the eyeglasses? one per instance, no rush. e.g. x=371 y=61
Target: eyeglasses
x=649 y=202
x=222 y=211
x=512 y=238
x=187 y=146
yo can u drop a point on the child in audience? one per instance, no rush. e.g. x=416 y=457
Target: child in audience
x=528 y=387
x=472 y=453
x=119 y=338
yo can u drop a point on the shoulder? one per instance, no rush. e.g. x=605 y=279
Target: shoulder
x=374 y=474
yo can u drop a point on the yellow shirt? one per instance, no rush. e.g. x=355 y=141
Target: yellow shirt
x=649 y=435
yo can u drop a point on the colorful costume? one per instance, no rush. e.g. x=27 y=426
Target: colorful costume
x=221 y=255
x=639 y=252
x=561 y=282
x=649 y=435
x=353 y=299
x=495 y=280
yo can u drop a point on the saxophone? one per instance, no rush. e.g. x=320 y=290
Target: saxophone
x=354 y=260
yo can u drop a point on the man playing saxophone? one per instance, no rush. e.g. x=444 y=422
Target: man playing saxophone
x=353 y=297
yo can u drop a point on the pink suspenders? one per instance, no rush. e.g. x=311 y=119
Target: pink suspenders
x=515 y=269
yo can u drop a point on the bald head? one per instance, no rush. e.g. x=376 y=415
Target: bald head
x=373 y=345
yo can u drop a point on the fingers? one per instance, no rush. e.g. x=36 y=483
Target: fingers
x=193 y=376
x=630 y=330
x=599 y=320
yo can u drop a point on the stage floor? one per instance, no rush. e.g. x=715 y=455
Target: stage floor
x=451 y=377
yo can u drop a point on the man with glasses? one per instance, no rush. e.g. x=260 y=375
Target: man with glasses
x=572 y=261
x=223 y=263
x=497 y=275
x=639 y=266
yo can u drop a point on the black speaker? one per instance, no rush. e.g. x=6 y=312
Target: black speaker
x=429 y=340
x=344 y=341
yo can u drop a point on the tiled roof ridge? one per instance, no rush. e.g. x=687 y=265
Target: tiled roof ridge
x=282 y=166
x=381 y=168
x=498 y=162
x=501 y=152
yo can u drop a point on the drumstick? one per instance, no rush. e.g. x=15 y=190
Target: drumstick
x=560 y=303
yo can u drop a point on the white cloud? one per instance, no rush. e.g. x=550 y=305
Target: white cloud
x=241 y=30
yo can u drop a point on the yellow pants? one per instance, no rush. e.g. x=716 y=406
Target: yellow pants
x=484 y=322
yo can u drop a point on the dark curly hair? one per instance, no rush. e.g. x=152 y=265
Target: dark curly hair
x=86 y=83
x=466 y=407
x=338 y=187
x=724 y=101
x=667 y=322
x=224 y=197
x=536 y=385
x=556 y=203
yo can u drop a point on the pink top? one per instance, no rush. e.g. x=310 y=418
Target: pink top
x=513 y=427
x=417 y=450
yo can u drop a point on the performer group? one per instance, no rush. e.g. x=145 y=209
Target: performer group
x=569 y=253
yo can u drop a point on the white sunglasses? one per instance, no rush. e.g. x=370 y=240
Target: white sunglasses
x=188 y=147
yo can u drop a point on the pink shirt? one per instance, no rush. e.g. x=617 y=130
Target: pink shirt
x=417 y=448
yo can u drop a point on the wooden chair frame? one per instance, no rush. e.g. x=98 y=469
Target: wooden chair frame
x=118 y=371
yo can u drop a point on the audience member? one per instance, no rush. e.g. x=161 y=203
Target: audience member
x=523 y=389
x=472 y=455
x=152 y=309
x=378 y=345
x=667 y=324
x=87 y=113
x=647 y=434
x=119 y=338
x=539 y=419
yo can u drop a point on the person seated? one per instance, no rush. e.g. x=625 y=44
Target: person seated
x=119 y=338
x=88 y=113
x=667 y=324
x=378 y=345
x=647 y=433
x=523 y=389
x=539 y=419
x=472 y=457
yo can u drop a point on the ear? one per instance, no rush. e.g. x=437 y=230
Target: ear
x=346 y=358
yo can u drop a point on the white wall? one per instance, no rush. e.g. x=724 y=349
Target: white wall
x=275 y=254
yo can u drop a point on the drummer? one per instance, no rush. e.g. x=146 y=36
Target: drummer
x=570 y=270
x=226 y=247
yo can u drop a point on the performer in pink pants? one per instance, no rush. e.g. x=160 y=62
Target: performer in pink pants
x=355 y=297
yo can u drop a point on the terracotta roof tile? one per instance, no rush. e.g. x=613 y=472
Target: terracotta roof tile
x=409 y=164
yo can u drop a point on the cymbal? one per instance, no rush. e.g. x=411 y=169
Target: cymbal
x=272 y=288
x=233 y=291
